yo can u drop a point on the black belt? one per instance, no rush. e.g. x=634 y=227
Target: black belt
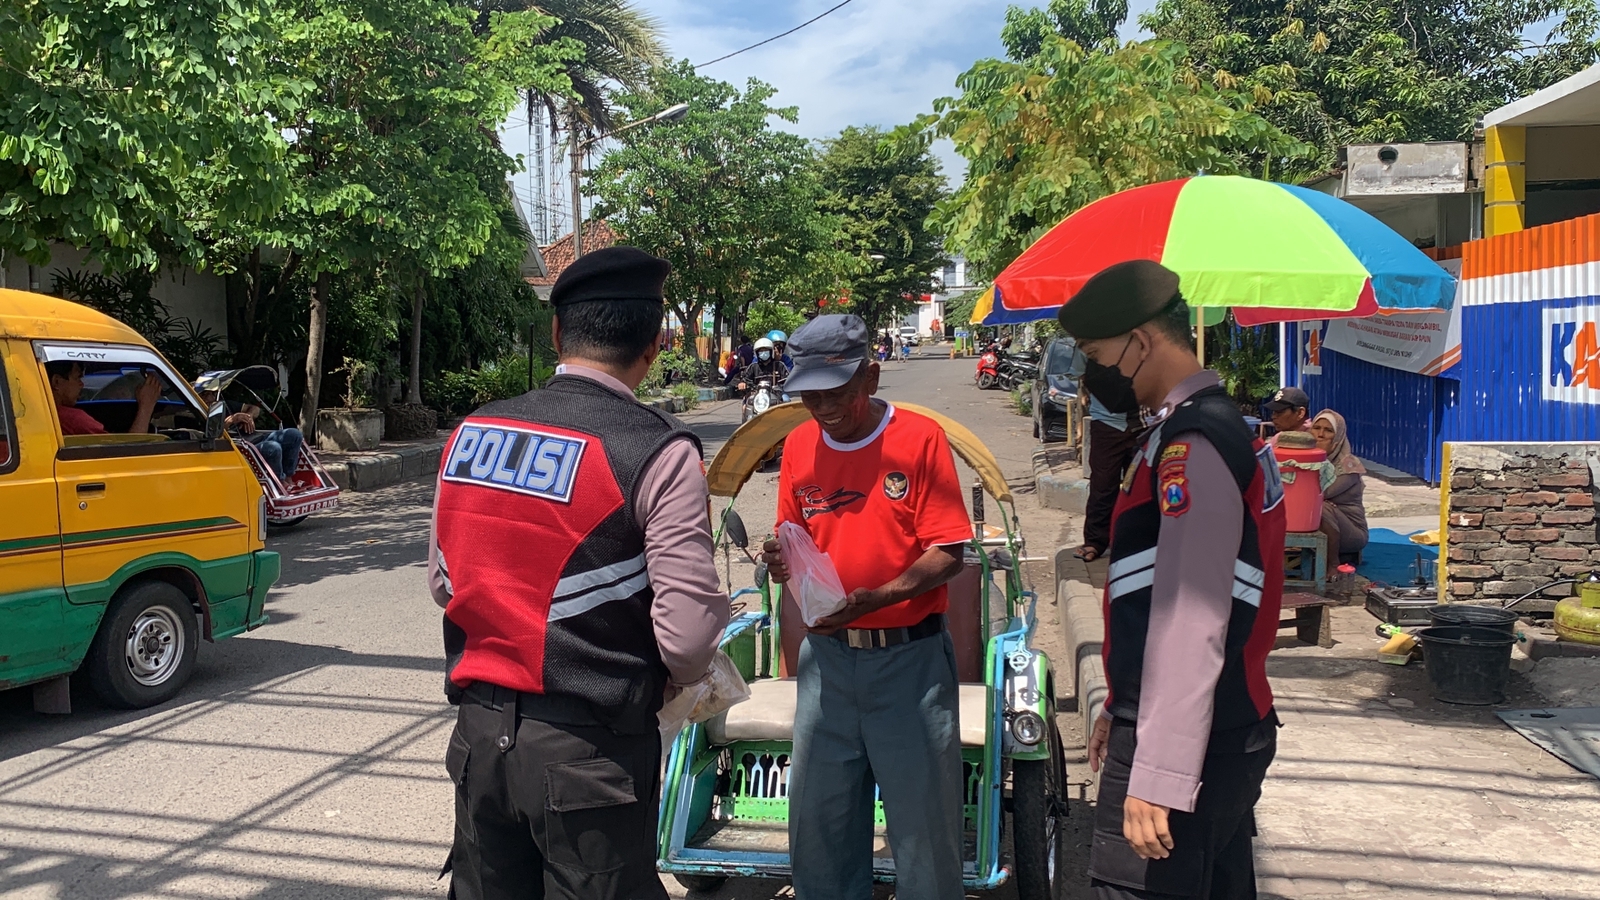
x=555 y=708
x=877 y=638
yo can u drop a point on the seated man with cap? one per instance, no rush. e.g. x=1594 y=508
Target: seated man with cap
x=1191 y=605
x=1291 y=411
x=876 y=698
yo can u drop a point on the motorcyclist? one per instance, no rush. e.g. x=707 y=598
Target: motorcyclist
x=780 y=347
x=768 y=364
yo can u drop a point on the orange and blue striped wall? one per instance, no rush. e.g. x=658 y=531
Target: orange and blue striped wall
x=1530 y=356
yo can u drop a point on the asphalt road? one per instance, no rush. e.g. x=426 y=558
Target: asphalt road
x=304 y=760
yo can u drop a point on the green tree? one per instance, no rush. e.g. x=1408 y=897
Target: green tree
x=884 y=187
x=1089 y=23
x=731 y=202
x=1048 y=134
x=396 y=166
x=1333 y=72
x=109 y=106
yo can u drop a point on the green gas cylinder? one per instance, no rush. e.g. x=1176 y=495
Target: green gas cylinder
x=1578 y=618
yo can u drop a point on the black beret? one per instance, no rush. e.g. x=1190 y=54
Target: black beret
x=615 y=273
x=1118 y=299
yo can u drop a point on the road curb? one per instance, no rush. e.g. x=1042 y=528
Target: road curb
x=386 y=466
x=1057 y=491
x=1084 y=624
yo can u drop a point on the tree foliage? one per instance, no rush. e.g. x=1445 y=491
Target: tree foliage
x=110 y=106
x=883 y=187
x=1334 y=72
x=1048 y=134
x=730 y=201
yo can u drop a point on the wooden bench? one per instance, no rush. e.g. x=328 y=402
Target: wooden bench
x=1311 y=573
x=1311 y=619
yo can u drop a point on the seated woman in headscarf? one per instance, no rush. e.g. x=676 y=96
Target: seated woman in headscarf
x=1344 y=515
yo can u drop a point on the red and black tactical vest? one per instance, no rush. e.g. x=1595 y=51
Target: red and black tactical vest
x=1243 y=697
x=543 y=551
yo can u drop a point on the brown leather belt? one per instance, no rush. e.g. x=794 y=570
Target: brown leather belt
x=878 y=638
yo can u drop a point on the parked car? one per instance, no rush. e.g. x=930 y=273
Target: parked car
x=125 y=548
x=908 y=335
x=1054 y=391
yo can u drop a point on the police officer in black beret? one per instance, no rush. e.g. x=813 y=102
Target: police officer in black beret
x=572 y=555
x=1192 y=597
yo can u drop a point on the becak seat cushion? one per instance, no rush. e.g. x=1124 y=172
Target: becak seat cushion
x=769 y=714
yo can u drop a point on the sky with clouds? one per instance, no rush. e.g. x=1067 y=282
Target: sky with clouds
x=873 y=62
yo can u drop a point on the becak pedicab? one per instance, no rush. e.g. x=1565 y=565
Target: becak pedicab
x=724 y=804
x=309 y=488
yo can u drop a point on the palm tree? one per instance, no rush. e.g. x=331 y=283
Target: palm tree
x=620 y=45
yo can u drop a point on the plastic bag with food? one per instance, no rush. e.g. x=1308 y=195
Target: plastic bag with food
x=812 y=577
x=722 y=687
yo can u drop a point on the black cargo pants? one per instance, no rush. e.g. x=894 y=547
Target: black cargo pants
x=552 y=810
x=1212 y=854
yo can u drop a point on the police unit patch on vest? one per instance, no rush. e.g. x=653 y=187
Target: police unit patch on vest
x=515 y=459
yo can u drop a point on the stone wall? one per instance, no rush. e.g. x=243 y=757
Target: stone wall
x=1520 y=514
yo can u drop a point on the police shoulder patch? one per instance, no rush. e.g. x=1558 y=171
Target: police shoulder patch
x=1175 y=451
x=520 y=460
x=1173 y=489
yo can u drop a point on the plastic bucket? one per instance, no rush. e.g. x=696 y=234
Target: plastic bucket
x=1482 y=616
x=1302 y=488
x=1467 y=664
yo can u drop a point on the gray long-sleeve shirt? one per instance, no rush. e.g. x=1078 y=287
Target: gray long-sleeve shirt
x=1191 y=600
x=672 y=507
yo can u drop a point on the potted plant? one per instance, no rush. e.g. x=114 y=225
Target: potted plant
x=356 y=425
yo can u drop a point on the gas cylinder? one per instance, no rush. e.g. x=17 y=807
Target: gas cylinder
x=1578 y=618
x=1299 y=464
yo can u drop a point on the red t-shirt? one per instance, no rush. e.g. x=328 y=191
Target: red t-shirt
x=76 y=421
x=877 y=505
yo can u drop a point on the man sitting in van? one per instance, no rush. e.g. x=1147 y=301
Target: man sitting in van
x=66 y=385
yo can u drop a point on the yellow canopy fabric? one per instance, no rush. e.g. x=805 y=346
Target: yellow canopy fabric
x=982 y=307
x=739 y=457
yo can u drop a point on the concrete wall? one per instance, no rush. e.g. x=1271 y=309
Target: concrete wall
x=1569 y=153
x=187 y=294
x=1520 y=514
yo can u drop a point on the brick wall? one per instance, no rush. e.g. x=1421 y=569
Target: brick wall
x=1520 y=514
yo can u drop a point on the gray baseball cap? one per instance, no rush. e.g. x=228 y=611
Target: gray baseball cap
x=826 y=351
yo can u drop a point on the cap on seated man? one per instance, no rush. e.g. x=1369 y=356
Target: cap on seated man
x=1291 y=410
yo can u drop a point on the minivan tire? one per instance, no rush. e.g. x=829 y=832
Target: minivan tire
x=145 y=649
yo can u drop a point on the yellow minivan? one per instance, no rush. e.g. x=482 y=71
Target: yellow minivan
x=130 y=526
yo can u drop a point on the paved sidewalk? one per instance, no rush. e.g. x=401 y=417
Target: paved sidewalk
x=1380 y=790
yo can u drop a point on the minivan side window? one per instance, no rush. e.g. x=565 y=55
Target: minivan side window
x=116 y=400
x=8 y=428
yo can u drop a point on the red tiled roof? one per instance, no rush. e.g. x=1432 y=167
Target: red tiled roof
x=597 y=235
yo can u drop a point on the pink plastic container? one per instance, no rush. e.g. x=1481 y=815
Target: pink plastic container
x=1302 y=488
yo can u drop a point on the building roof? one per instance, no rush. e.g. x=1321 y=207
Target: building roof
x=597 y=235
x=1571 y=101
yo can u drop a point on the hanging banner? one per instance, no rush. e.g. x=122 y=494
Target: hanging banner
x=1425 y=343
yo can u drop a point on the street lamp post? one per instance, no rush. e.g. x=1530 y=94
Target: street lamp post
x=671 y=114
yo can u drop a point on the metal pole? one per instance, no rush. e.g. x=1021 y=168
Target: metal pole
x=577 y=192
x=1283 y=354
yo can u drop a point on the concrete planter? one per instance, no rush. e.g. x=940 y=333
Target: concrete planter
x=349 y=429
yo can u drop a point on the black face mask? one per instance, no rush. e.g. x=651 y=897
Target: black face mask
x=1107 y=384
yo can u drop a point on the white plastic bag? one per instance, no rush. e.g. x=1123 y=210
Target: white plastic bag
x=722 y=687
x=812 y=576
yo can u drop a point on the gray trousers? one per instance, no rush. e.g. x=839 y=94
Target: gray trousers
x=887 y=717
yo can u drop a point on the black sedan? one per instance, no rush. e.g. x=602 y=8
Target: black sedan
x=1054 y=391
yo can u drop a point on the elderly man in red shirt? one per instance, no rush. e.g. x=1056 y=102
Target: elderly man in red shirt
x=876 y=489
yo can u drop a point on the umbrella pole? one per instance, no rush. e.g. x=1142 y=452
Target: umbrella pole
x=1200 y=342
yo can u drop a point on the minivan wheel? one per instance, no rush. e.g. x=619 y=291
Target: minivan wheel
x=145 y=649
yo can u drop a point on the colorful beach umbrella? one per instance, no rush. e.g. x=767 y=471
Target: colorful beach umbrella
x=1272 y=252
